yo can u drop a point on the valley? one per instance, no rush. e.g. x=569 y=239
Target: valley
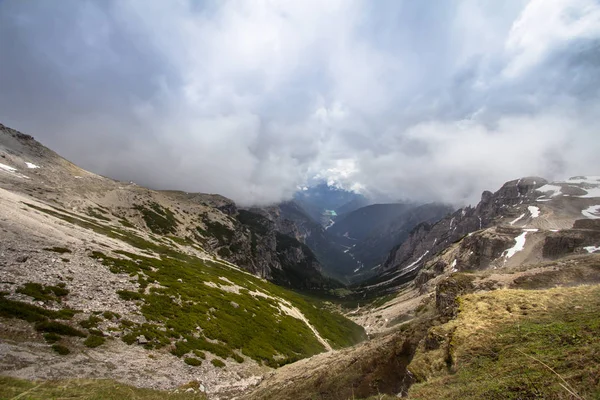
x=107 y=286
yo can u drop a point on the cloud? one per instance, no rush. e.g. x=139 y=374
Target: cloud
x=398 y=99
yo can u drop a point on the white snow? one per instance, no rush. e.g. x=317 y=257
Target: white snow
x=519 y=245
x=534 y=211
x=516 y=219
x=530 y=230
x=7 y=168
x=453 y=263
x=413 y=265
x=30 y=165
x=592 y=212
x=591 y=193
x=556 y=190
x=592 y=249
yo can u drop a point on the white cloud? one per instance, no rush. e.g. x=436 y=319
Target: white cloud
x=254 y=99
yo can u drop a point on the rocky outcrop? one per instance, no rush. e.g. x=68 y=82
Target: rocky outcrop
x=426 y=240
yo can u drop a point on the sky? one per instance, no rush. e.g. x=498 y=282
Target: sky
x=251 y=99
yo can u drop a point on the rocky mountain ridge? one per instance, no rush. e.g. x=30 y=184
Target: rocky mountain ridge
x=527 y=208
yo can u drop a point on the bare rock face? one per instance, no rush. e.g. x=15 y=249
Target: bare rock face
x=426 y=240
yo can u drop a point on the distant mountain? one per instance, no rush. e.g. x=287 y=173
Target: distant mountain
x=358 y=224
x=318 y=199
x=291 y=219
x=370 y=232
x=528 y=220
x=374 y=248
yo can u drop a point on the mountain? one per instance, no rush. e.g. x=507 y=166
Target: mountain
x=496 y=301
x=370 y=232
x=322 y=202
x=527 y=207
x=291 y=219
x=374 y=248
x=153 y=288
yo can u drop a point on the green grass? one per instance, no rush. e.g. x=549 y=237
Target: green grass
x=255 y=327
x=60 y=349
x=94 y=341
x=217 y=363
x=84 y=389
x=159 y=220
x=515 y=344
x=192 y=361
x=56 y=249
x=29 y=312
x=58 y=328
x=42 y=292
x=51 y=337
x=91 y=322
x=96 y=213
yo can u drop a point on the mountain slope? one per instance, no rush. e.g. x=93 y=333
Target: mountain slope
x=290 y=219
x=108 y=270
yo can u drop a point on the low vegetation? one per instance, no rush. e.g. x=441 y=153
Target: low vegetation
x=42 y=292
x=56 y=249
x=158 y=219
x=94 y=341
x=515 y=344
x=189 y=297
x=185 y=298
x=85 y=389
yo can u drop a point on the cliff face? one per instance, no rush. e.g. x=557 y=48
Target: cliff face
x=526 y=221
x=427 y=240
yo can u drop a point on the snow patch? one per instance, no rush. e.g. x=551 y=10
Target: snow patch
x=414 y=265
x=534 y=211
x=519 y=245
x=7 y=168
x=31 y=165
x=591 y=249
x=592 y=212
x=517 y=219
x=591 y=193
x=454 y=264
x=556 y=190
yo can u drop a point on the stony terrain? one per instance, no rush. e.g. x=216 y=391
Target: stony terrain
x=105 y=279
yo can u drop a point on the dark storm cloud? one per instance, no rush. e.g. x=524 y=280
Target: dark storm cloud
x=251 y=99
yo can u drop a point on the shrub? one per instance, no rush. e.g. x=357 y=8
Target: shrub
x=192 y=361
x=60 y=250
x=60 y=349
x=58 y=328
x=94 y=341
x=217 y=363
x=51 y=337
x=91 y=322
x=129 y=295
x=199 y=354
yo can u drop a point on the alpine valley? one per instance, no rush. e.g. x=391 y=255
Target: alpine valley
x=112 y=290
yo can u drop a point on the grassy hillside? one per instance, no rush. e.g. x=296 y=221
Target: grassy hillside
x=191 y=305
x=86 y=389
x=514 y=344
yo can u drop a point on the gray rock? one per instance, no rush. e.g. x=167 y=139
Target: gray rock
x=142 y=339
